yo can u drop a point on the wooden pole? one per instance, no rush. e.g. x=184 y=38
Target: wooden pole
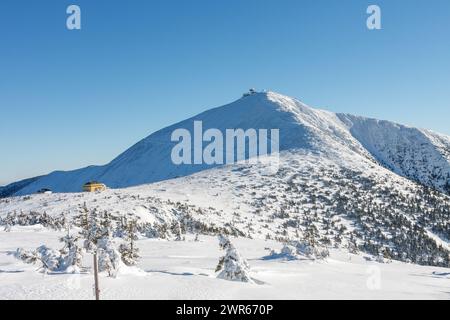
x=96 y=288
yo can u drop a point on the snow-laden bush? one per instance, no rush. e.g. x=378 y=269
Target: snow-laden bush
x=232 y=266
x=71 y=254
x=68 y=259
x=51 y=259
x=129 y=254
x=288 y=252
x=295 y=249
x=311 y=251
x=109 y=259
x=26 y=256
x=176 y=227
x=47 y=258
x=128 y=250
x=33 y=218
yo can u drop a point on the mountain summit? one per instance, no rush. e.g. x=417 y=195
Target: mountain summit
x=417 y=154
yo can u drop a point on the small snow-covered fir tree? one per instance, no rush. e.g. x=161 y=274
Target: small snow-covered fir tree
x=7 y=227
x=8 y=221
x=50 y=258
x=311 y=250
x=108 y=257
x=232 y=266
x=309 y=246
x=287 y=252
x=97 y=234
x=120 y=228
x=71 y=253
x=352 y=245
x=92 y=231
x=178 y=232
x=82 y=220
x=128 y=251
x=106 y=225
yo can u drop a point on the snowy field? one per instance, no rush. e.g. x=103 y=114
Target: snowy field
x=185 y=270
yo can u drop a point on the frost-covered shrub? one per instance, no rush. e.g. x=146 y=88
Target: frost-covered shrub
x=33 y=218
x=51 y=259
x=380 y=259
x=26 y=256
x=108 y=257
x=98 y=230
x=294 y=249
x=128 y=250
x=288 y=252
x=71 y=254
x=176 y=229
x=129 y=254
x=47 y=258
x=232 y=266
x=68 y=259
x=311 y=251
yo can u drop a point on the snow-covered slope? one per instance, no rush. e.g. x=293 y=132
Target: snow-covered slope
x=413 y=153
x=348 y=202
x=418 y=154
x=185 y=270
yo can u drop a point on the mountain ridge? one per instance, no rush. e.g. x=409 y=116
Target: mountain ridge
x=420 y=155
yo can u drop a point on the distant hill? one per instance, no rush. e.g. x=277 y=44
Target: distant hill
x=14 y=187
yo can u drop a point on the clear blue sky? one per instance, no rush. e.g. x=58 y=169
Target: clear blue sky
x=75 y=98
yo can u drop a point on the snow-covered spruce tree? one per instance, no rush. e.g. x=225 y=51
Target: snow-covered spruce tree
x=106 y=224
x=50 y=258
x=352 y=245
x=177 y=230
x=288 y=252
x=309 y=246
x=71 y=253
x=7 y=222
x=121 y=225
x=232 y=266
x=90 y=230
x=128 y=251
x=83 y=222
x=108 y=257
x=97 y=234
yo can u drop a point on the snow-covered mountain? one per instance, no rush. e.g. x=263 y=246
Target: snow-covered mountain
x=413 y=153
x=343 y=181
x=14 y=187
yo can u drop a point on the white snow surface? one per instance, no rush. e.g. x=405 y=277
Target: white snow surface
x=185 y=270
